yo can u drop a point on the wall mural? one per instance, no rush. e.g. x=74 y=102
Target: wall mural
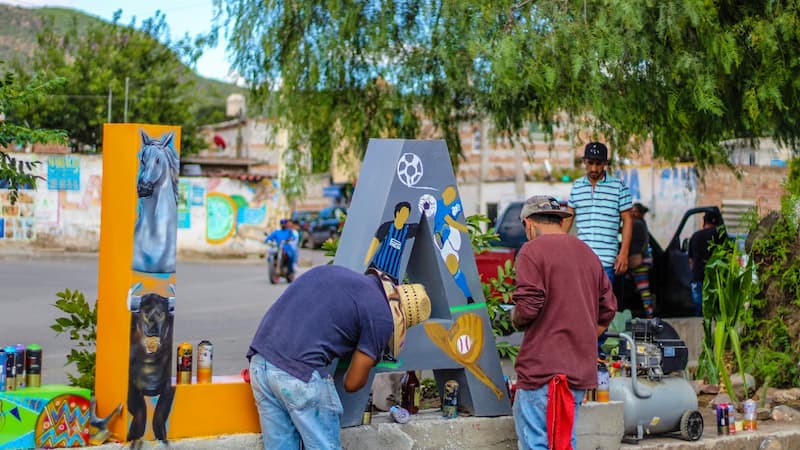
x=406 y=218
x=151 y=298
x=220 y=217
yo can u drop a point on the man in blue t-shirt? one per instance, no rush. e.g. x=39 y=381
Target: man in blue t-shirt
x=599 y=201
x=329 y=313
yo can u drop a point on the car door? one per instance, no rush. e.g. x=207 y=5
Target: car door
x=673 y=289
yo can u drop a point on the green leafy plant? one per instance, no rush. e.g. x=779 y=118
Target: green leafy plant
x=728 y=288
x=80 y=323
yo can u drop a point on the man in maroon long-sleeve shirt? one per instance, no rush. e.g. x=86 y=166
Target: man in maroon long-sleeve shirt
x=564 y=301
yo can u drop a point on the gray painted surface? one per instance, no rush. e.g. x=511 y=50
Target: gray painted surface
x=458 y=305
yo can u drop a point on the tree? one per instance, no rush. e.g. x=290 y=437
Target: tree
x=95 y=63
x=16 y=174
x=686 y=74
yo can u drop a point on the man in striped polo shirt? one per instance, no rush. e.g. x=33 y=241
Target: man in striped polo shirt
x=598 y=202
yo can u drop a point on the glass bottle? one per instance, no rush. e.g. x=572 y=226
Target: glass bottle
x=410 y=392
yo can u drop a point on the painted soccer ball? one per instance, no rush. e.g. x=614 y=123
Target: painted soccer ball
x=427 y=205
x=409 y=169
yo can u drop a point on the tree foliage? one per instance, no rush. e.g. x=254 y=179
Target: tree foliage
x=97 y=59
x=16 y=174
x=689 y=74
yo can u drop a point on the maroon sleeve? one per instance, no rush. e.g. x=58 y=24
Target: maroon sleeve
x=608 y=301
x=529 y=294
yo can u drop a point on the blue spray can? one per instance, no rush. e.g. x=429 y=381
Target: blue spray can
x=3 y=358
x=11 y=367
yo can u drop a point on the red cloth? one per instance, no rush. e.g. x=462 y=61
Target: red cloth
x=560 y=414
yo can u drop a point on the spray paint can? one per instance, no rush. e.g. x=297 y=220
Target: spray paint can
x=722 y=419
x=20 y=360
x=11 y=368
x=450 y=400
x=33 y=365
x=750 y=422
x=366 y=418
x=184 y=373
x=3 y=358
x=205 y=361
x=731 y=419
x=603 y=382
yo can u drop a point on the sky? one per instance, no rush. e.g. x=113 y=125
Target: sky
x=183 y=16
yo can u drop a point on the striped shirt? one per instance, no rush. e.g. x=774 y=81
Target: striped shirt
x=393 y=242
x=597 y=214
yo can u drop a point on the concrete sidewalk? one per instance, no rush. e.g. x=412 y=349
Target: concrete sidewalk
x=597 y=430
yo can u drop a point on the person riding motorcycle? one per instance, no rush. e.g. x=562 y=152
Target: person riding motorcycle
x=286 y=237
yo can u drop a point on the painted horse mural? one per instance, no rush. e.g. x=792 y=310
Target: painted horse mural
x=157 y=212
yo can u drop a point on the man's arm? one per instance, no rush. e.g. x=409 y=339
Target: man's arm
x=529 y=295
x=566 y=223
x=621 y=263
x=358 y=372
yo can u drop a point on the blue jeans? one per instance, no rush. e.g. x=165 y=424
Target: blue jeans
x=530 y=417
x=610 y=273
x=697 y=297
x=292 y=410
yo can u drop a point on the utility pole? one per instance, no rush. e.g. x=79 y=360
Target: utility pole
x=125 y=114
x=109 y=104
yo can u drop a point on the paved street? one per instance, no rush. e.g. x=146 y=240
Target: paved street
x=218 y=300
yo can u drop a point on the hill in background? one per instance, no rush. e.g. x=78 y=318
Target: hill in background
x=20 y=26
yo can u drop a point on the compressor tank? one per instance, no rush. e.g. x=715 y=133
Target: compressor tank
x=661 y=411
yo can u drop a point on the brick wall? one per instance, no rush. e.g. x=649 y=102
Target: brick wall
x=762 y=185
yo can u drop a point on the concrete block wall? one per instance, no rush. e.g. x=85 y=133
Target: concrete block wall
x=762 y=185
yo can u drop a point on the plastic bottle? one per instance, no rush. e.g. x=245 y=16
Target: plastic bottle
x=410 y=392
x=399 y=414
x=603 y=380
x=750 y=422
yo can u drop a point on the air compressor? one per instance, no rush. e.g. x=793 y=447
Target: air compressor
x=656 y=397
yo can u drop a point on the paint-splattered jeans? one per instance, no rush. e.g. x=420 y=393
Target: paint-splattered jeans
x=291 y=409
x=530 y=417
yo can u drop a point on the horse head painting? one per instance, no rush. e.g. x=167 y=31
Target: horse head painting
x=157 y=212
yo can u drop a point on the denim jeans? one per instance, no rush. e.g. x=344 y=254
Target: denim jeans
x=291 y=409
x=610 y=273
x=697 y=297
x=530 y=417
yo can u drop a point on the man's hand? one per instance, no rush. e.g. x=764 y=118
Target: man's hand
x=621 y=264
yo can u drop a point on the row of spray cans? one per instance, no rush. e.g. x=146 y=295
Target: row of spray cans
x=726 y=420
x=20 y=367
x=205 y=363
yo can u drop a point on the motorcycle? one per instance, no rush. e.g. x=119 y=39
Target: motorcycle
x=278 y=263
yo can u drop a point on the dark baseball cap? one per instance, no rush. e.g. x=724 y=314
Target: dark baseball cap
x=596 y=151
x=542 y=204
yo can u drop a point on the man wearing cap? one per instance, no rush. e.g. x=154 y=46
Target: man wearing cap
x=328 y=313
x=700 y=248
x=563 y=302
x=598 y=202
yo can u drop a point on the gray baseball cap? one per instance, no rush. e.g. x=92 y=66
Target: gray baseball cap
x=543 y=204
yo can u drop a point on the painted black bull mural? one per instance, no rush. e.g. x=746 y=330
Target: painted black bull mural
x=150 y=366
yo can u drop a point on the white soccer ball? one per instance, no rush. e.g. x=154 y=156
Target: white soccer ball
x=409 y=169
x=427 y=205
